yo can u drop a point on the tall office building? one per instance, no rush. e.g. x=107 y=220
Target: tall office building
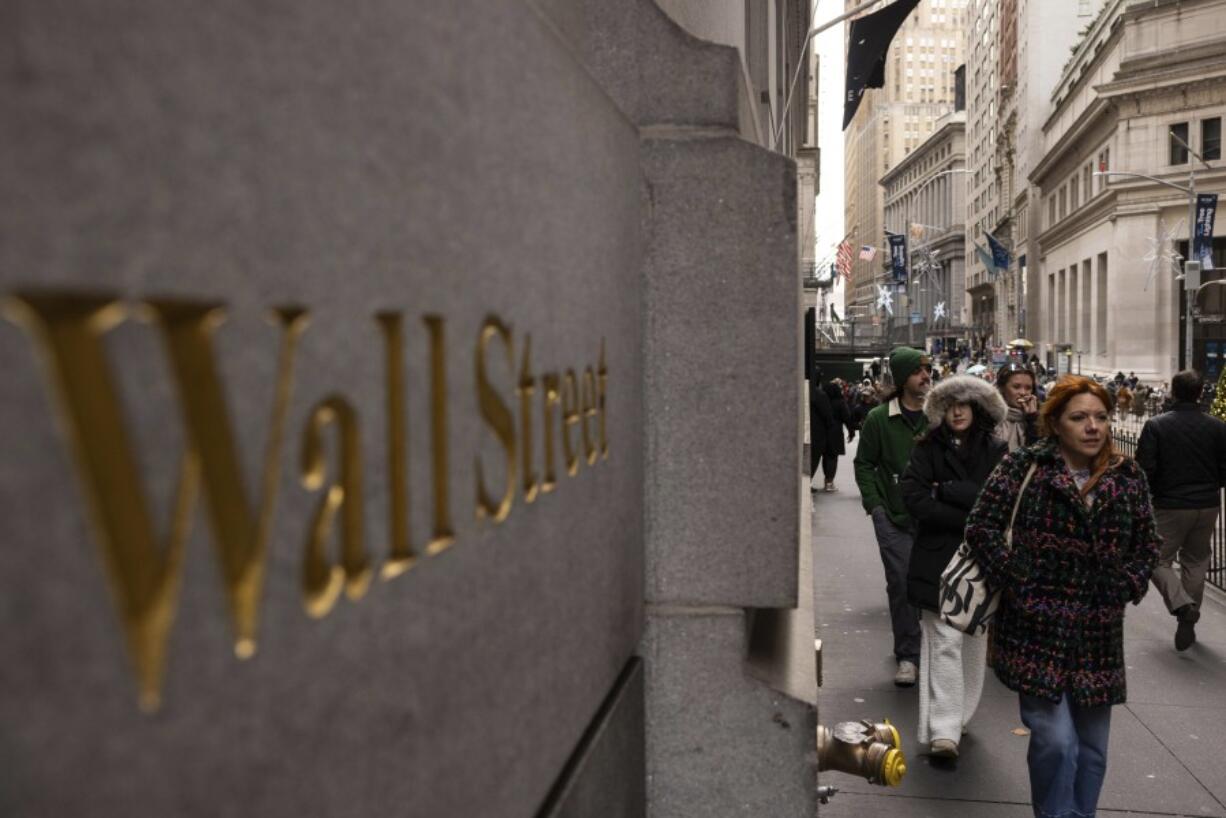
x=1015 y=51
x=892 y=122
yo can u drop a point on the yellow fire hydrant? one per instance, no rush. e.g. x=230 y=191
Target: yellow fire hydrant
x=863 y=749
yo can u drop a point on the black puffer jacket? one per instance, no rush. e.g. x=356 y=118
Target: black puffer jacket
x=939 y=488
x=1183 y=453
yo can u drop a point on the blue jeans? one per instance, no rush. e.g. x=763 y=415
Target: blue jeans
x=1067 y=755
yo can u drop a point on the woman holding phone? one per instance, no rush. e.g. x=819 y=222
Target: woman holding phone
x=1016 y=384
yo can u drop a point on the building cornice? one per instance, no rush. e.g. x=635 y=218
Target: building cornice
x=1097 y=113
x=1158 y=75
x=1104 y=34
x=938 y=136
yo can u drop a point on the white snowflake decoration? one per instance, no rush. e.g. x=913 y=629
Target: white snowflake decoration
x=1158 y=254
x=938 y=312
x=885 y=299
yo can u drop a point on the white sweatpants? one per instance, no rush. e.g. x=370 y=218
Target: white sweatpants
x=951 y=671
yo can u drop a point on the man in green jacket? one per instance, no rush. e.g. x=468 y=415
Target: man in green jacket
x=886 y=441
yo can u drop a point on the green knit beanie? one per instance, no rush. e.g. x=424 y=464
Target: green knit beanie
x=904 y=361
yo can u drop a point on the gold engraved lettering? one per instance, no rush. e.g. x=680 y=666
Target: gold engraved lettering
x=602 y=381
x=527 y=385
x=145 y=577
x=588 y=410
x=240 y=533
x=443 y=535
x=499 y=418
x=570 y=417
x=321 y=580
x=401 y=556
x=550 y=401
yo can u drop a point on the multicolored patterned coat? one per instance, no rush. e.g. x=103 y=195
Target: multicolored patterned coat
x=1069 y=575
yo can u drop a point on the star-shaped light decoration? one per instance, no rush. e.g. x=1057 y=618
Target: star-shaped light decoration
x=1162 y=251
x=885 y=299
x=925 y=262
x=938 y=312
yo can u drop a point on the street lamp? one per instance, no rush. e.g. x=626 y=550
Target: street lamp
x=1189 y=285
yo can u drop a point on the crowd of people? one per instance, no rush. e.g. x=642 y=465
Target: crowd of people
x=1068 y=531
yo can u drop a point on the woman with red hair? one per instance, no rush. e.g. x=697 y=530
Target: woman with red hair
x=1084 y=545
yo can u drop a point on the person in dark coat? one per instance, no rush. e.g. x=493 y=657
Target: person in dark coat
x=862 y=403
x=948 y=467
x=1084 y=545
x=821 y=421
x=840 y=419
x=1183 y=453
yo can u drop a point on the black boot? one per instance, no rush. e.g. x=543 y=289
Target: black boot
x=1185 y=632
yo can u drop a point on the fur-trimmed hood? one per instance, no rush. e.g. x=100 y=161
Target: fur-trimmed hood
x=963 y=389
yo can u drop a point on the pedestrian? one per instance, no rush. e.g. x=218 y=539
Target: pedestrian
x=821 y=420
x=948 y=467
x=1017 y=386
x=886 y=440
x=1140 y=400
x=865 y=400
x=834 y=447
x=1124 y=399
x=1183 y=453
x=1083 y=545
x=1133 y=380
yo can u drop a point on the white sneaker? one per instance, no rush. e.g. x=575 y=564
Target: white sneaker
x=907 y=674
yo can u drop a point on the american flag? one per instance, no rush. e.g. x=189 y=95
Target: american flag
x=844 y=259
x=867 y=252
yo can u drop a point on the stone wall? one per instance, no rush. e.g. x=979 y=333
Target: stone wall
x=530 y=386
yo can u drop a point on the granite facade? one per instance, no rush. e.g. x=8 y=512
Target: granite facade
x=451 y=160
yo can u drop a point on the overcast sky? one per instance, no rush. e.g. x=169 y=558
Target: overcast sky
x=830 y=138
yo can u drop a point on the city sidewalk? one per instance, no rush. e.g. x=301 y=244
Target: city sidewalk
x=1168 y=743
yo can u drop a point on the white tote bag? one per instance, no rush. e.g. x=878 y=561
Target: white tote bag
x=964 y=598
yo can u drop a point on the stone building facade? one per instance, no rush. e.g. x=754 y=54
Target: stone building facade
x=1015 y=50
x=1143 y=70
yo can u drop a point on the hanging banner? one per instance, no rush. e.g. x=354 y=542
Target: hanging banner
x=868 y=43
x=1202 y=244
x=898 y=256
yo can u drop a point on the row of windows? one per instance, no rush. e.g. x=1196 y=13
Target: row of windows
x=986 y=197
x=923 y=168
x=1210 y=141
x=1078 y=189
